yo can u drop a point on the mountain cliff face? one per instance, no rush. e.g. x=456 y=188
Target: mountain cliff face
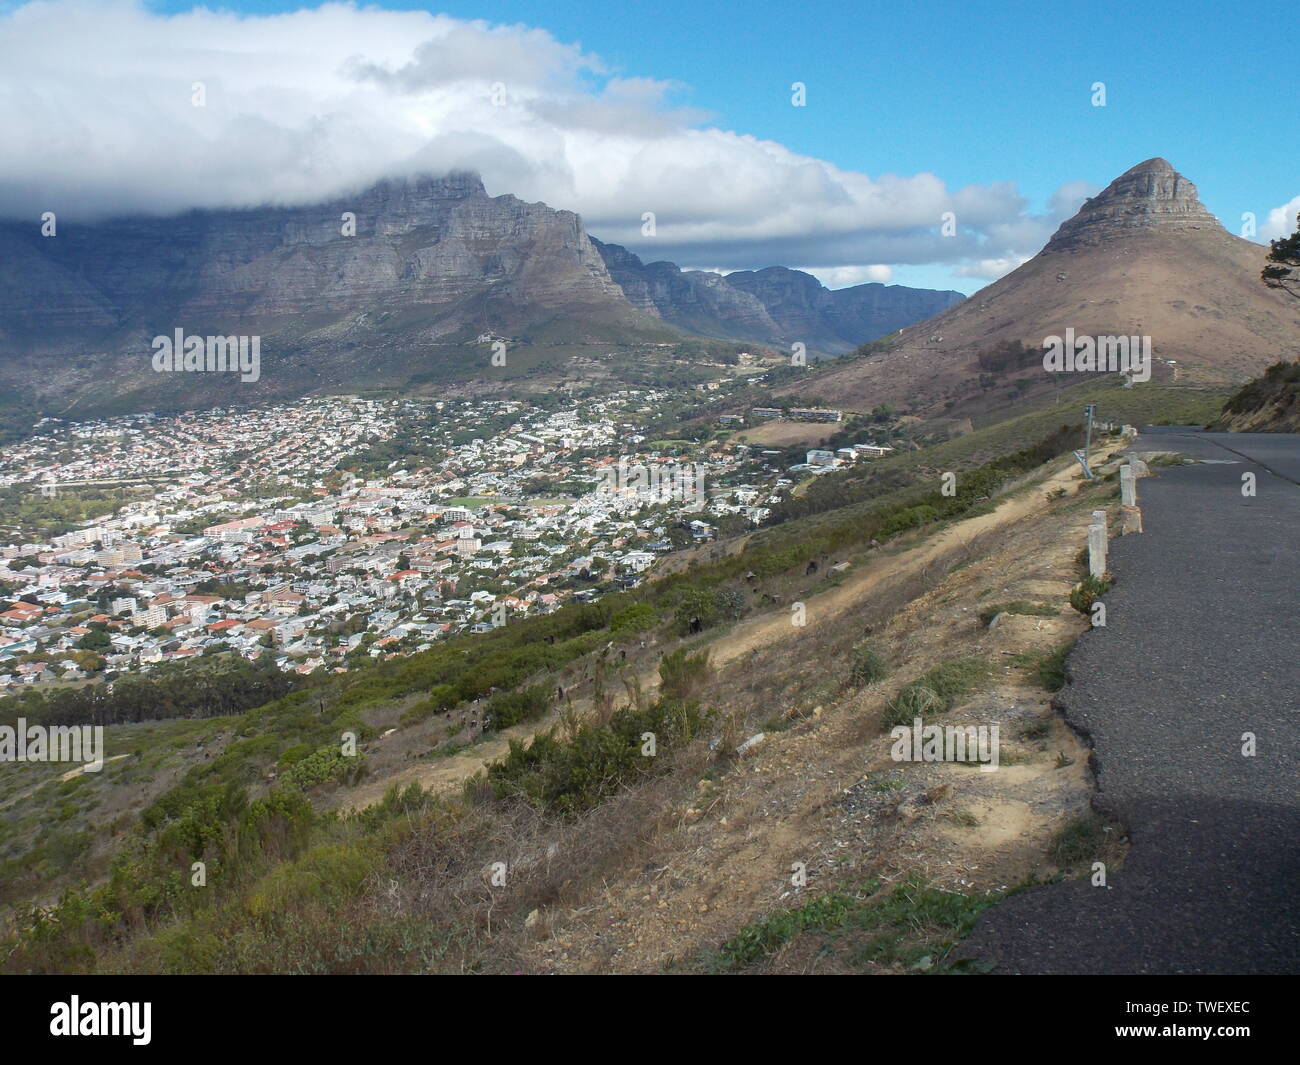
x=694 y=300
x=392 y=285
x=775 y=305
x=1142 y=258
x=380 y=289
x=428 y=245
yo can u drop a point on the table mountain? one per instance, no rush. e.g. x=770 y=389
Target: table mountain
x=365 y=288
x=392 y=285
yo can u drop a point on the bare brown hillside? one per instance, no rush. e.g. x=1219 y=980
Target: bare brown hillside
x=1143 y=258
x=820 y=787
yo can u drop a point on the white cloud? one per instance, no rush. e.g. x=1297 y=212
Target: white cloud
x=847 y=276
x=1281 y=221
x=990 y=269
x=1067 y=200
x=314 y=104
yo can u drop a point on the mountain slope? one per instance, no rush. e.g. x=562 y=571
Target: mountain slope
x=694 y=300
x=1143 y=258
x=1268 y=404
x=430 y=243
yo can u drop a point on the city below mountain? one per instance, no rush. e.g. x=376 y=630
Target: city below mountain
x=397 y=578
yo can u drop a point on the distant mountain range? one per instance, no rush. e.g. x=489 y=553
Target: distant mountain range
x=775 y=305
x=1142 y=258
x=396 y=283
x=410 y=282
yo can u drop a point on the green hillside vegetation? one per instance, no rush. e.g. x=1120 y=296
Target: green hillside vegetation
x=1268 y=404
x=290 y=885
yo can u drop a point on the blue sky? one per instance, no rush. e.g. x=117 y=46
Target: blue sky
x=975 y=93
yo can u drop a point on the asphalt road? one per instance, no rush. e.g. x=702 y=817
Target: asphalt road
x=1201 y=645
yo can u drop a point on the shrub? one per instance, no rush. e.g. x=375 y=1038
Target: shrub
x=312 y=886
x=296 y=753
x=909 y=518
x=765 y=936
x=1050 y=669
x=697 y=605
x=956 y=678
x=913 y=925
x=913 y=701
x=869 y=665
x=937 y=691
x=571 y=776
x=509 y=708
x=682 y=674
x=185 y=950
x=324 y=764
x=1079 y=839
x=635 y=618
x=1087 y=592
x=711 y=606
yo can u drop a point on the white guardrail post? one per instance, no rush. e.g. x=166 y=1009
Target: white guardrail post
x=1097 y=545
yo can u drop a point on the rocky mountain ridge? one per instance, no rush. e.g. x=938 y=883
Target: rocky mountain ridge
x=775 y=305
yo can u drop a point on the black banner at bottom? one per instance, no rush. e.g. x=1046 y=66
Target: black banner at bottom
x=148 y=1014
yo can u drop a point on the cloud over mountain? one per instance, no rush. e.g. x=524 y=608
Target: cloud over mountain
x=314 y=104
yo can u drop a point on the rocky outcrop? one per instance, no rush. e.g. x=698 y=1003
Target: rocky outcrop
x=1268 y=404
x=695 y=300
x=1152 y=195
x=838 y=320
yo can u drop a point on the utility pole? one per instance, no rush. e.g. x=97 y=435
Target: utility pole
x=1083 y=457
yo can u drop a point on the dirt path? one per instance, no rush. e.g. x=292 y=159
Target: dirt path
x=768 y=628
x=443 y=774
